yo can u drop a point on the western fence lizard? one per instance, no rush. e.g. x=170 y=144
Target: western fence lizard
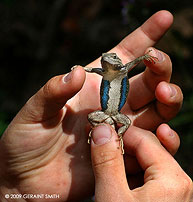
x=113 y=91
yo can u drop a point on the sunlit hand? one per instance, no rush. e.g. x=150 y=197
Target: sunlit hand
x=163 y=178
x=45 y=150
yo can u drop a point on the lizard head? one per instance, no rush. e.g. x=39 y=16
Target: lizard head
x=111 y=62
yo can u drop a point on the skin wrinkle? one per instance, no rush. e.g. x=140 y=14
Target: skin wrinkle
x=125 y=51
x=158 y=112
x=37 y=160
x=146 y=34
x=106 y=161
x=30 y=113
x=131 y=53
x=22 y=133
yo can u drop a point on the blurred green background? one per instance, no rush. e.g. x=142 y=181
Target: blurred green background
x=41 y=39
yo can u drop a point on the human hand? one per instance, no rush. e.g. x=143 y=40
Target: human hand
x=163 y=178
x=44 y=149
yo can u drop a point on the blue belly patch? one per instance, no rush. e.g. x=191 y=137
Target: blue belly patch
x=124 y=92
x=105 y=86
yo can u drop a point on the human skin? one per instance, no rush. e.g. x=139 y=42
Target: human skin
x=164 y=180
x=45 y=150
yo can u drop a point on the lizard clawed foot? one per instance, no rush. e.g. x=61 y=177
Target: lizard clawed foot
x=89 y=137
x=150 y=58
x=74 y=67
x=121 y=144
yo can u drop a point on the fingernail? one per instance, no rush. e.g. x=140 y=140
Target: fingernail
x=172 y=91
x=158 y=54
x=169 y=131
x=101 y=134
x=67 y=77
x=171 y=134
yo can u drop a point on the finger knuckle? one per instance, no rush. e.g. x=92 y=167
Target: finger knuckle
x=180 y=186
x=105 y=159
x=188 y=185
x=48 y=87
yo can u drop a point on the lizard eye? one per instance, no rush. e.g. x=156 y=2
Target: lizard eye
x=114 y=57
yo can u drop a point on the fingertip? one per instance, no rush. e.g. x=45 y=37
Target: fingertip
x=75 y=79
x=169 y=100
x=157 y=56
x=169 y=138
x=104 y=144
x=61 y=88
x=77 y=74
x=169 y=94
x=163 y=129
x=164 y=18
x=101 y=135
x=163 y=92
x=157 y=24
x=161 y=64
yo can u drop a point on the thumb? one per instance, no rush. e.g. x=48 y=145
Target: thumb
x=51 y=98
x=108 y=165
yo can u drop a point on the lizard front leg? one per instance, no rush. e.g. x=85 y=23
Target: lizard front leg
x=129 y=66
x=91 y=70
x=94 y=70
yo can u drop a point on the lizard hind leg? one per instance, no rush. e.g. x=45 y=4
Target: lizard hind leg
x=97 y=117
x=125 y=122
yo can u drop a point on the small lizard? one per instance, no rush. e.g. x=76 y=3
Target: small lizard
x=114 y=91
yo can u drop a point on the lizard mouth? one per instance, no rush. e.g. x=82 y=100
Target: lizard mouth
x=117 y=67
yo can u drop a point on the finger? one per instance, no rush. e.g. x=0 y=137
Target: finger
x=142 y=87
x=169 y=98
x=169 y=138
x=135 y=44
x=51 y=98
x=108 y=165
x=162 y=172
x=168 y=102
x=147 y=149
